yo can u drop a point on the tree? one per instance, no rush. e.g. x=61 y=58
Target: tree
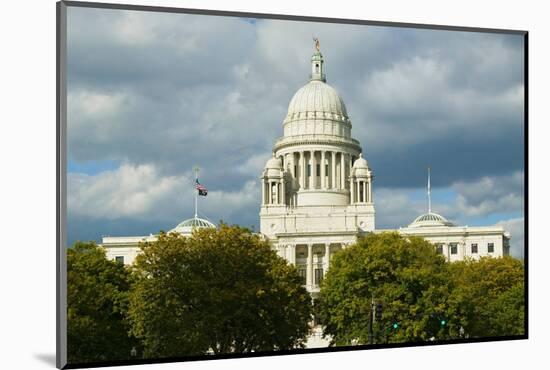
x=404 y=274
x=487 y=297
x=219 y=290
x=97 y=291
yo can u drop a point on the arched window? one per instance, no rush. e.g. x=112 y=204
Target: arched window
x=316 y=67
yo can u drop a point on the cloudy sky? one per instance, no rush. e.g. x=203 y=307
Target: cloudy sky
x=151 y=95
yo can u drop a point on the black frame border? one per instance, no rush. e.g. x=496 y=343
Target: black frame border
x=61 y=174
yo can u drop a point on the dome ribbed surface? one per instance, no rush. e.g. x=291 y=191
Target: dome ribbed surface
x=317 y=97
x=430 y=219
x=273 y=163
x=187 y=226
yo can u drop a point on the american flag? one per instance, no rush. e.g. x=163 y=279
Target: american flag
x=201 y=188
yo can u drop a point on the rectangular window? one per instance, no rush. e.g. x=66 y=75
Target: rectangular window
x=454 y=248
x=326 y=169
x=474 y=248
x=491 y=248
x=119 y=259
x=318 y=169
x=439 y=248
x=295 y=170
x=309 y=170
x=302 y=273
x=318 y=276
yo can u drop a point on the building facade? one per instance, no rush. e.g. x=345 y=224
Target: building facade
x=316 y=193
x=317 y=187
x=124 y=249
x=317 y=190
x=316 y=196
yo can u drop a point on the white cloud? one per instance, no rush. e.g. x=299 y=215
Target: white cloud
x=394 y=208
x=515 y=227
x=129 y=191
x=143 y=193
x=497 y=194
x=481 y=198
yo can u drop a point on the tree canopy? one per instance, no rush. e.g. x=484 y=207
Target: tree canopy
x=487 y=297
x=405 y=276
x=97 y=292
x=422 y=296
x=221 y=290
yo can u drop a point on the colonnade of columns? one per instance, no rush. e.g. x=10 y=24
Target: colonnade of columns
x=360 y=190
x=319 y=169
x=311 y=264
x=273 y=191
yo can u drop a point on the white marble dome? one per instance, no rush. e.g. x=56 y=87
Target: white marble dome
x=273 y=163
x=187 y=226
x=430 y=219
x=360 y=166
x=319 y=99
x=273 y=167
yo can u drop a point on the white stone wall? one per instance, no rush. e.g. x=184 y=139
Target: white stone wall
x=463 y=237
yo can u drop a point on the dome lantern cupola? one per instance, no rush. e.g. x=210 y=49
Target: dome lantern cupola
x=317 y=64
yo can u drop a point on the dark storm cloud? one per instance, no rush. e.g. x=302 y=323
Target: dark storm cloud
x=196 y=82
x=170 y=91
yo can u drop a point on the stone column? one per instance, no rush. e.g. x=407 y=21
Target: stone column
x=302 y=170
x=352 y=190
x=370 y=189
x=342 y=170
x=309 y=274
x=323 y=172
x=283 y=190
x=364 y=192
x=313 y=181
x=333 y=166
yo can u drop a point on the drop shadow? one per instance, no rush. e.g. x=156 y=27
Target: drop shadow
x=47 y=358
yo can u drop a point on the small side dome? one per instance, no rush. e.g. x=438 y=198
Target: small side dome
x=273 y=163
x=187 y=226
x=273 y=167
x=430 y=219
x=360 y=162
x=361 y=167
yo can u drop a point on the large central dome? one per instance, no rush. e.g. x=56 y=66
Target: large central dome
x=316 y=108
x=317 y=98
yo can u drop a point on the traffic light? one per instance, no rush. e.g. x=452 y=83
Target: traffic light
x=395 y=325
x=378 y=311
x=443 y=322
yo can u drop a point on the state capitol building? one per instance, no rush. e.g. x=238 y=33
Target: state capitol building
x=316 y=193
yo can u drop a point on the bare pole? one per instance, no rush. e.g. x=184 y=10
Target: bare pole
x=429 y=193
x=196 y=169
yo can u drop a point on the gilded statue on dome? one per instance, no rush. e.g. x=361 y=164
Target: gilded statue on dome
x=317 y=43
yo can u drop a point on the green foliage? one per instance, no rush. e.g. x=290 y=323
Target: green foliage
x=423 y=296
x=97 y=291
x=221 y=290
x=405 y=275
x=487 y=297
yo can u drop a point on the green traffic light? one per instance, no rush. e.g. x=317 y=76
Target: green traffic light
x=443 y=322
x=395 y=325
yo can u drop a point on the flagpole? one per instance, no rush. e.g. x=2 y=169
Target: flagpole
x=196 y=169
x=429 y=193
